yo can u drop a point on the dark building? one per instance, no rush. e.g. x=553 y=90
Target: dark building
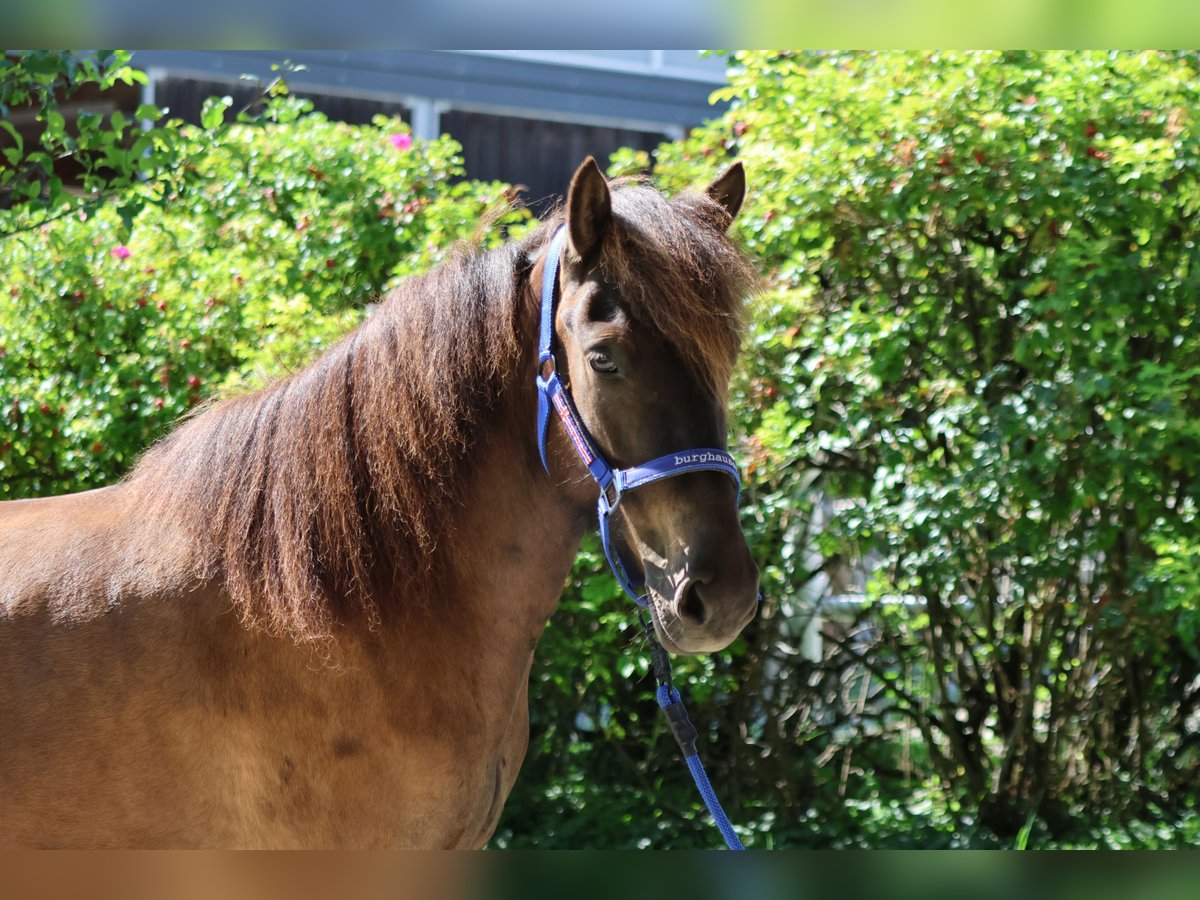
x=527 y=117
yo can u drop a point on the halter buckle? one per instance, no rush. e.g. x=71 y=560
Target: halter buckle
x=610 y=496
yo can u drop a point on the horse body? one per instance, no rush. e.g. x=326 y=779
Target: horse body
x=128 y=690
x=167 y=681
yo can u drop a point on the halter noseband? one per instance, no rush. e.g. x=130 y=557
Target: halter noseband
x=613 y=482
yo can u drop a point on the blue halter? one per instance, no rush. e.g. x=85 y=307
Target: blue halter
x=613 y=484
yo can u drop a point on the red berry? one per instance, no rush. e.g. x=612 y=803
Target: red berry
x=162 y=305
x=186 y=343
x=330 y=263
x=158 y=402
x=740 y=128
x=769 y=215
x=1089 y=130
x=979 y=157
x=193 y=381
x=97 y=447
x=142 y=301
x=45 y=408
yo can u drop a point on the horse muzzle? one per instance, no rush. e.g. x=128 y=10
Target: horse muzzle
x=703 y=608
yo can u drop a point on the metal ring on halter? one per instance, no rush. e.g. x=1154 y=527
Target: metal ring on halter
x=610 y=505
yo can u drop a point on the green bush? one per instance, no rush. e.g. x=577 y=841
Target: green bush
x=280 y=237
x=116 y=160
x=983 y=343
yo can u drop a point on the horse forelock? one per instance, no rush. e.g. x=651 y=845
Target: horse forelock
x=311 y=499
x=682 y=275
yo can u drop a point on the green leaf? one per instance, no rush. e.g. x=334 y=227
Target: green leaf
x=148 y=112
x=16 y=136
x=212 y=113
x=55 y=124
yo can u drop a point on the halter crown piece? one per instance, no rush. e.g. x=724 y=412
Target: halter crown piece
x=613 y=484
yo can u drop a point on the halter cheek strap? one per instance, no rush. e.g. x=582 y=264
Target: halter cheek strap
x=613 y=483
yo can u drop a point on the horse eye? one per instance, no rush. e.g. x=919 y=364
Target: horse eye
x=602 y=362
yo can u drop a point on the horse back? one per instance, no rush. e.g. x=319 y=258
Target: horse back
x=93 y=666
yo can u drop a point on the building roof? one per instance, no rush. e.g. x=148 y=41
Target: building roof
x=649 y=89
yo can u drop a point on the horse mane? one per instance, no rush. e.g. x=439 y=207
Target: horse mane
x=313 y=497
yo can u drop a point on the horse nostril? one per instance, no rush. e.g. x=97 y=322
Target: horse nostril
x=690 y=604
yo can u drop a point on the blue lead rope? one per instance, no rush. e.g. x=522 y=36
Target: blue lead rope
x=671 y=703
x=552 y=393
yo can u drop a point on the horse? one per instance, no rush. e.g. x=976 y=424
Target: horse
x=307 y=616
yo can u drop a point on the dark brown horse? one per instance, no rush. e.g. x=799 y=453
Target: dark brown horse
x=308 y=615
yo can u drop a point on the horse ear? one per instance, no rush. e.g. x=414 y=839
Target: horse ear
x=589 y=209
x=729 y=190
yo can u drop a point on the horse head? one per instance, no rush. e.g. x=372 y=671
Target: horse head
x=648 y=327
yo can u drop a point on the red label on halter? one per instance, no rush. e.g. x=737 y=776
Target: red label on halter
x=572 y=426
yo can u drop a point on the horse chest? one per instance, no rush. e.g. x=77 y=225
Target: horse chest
x=372 y=797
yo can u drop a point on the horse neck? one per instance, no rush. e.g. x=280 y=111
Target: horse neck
x=519 y=530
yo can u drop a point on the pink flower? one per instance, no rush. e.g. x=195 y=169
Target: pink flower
x=400 y=140
x=120 y=252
